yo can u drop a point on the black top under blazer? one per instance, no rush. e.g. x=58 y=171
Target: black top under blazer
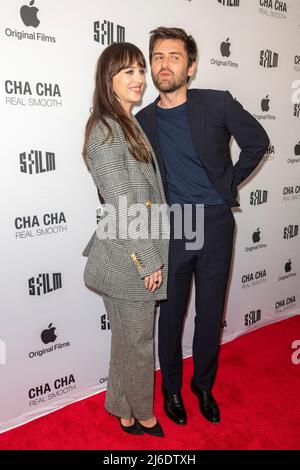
x=214 y=117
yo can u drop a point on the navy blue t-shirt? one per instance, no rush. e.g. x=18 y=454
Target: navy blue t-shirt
x=186 y=178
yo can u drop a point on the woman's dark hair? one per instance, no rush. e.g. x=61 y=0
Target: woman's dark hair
x=113 y=59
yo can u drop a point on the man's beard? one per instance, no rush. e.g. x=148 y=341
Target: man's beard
x=171 y=84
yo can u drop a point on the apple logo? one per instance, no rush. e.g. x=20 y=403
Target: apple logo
x=48 y=335
x=288 y=266
x=225 y=48
x=265 y=103
x=256 y=236
x=29 y=15
x=297 y=148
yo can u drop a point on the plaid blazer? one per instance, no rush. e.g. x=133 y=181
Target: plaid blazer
x=117 y=263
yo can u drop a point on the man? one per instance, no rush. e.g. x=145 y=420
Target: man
x=190 y=131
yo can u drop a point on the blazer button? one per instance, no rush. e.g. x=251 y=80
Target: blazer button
x=148 y=204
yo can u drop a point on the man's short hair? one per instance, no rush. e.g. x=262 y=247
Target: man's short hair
x=174 y=33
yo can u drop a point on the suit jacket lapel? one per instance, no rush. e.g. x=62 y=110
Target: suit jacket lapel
x=196 y=120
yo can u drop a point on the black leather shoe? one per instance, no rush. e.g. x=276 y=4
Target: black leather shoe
x=174 y=407
x=135 y=428
x=155 y=430
x=208 y=405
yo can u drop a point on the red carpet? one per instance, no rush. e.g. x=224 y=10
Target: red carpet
x=257 y=387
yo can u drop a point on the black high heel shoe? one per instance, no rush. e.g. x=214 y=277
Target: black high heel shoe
x=155 y=430
x=135 y=428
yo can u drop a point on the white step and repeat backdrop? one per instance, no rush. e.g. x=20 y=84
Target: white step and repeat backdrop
x=54 y=333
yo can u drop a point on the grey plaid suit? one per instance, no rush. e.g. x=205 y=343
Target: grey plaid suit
x=116 y=266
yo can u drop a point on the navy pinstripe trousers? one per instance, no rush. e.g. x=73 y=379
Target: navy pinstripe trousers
x=210 y=266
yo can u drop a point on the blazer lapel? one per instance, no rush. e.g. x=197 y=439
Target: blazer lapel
x=196 y=119
x=149 y=173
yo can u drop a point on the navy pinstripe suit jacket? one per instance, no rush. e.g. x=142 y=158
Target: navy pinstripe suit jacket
x=214 y=117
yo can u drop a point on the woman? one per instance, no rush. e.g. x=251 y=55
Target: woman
x=128 y=269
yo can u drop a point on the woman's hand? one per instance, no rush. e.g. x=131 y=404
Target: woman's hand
x=154 y=281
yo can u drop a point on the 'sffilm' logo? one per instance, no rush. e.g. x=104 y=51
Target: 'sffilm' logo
x=230 y=3
x=258 y=197
x=105 y=32
x=252 y=317
x=105 y=325
x=268 y=59
x=36 y=161
x=42 y=284
x=290 y=231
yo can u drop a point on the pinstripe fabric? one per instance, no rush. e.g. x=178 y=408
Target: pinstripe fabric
x=210 y=267
x=131 y=371
x=214 y=117
x=117 y=266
